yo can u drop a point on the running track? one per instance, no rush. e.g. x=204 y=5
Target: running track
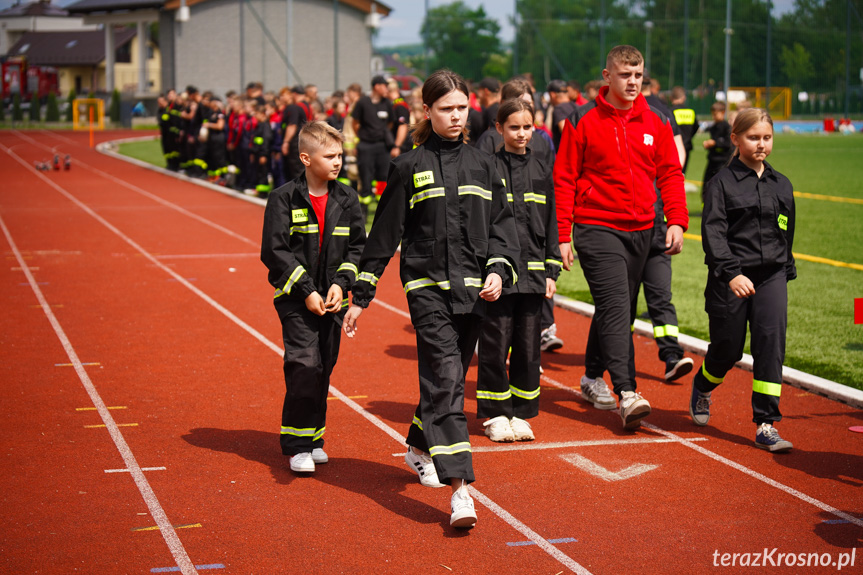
x=141 y=386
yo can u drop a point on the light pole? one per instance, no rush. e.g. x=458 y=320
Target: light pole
x=648 y=26
x=726 y=81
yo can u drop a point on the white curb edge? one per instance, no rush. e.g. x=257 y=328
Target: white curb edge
x=812 y=383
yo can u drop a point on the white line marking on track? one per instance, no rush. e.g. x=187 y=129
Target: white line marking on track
x=597 y=470
x=208 y=256
x=156 y=511
x=533 y=446
x=186 y=564
x=142 y=469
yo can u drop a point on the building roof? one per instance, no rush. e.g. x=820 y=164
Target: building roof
x=105 y=6
x=40 y=8
x=85 y=48
x=361 y=5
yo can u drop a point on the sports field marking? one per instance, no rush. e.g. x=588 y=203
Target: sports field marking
x=807 y=195
x=534 y=446
x=597 y=470
x=814 y=259
x=94 y=409
x=208 y=256
x=18 y=269
x=552 y=541
x=198 y=567
x=142 y=469
x=91 y=363
x=186 y=563
x=350 y=396
x=105 y=425
x=149 y=496
x=157 y=528
x=733 y=464
x=54 y=305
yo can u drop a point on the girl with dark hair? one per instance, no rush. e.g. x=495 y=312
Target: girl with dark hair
x=747 y=228
x=510 y=397
x=447 y=206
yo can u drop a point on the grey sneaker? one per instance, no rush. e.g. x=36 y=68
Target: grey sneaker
x=699 y=404
x=595 y=391
x=768 y=438
x=319 y=455
x=633 y=408
x=424 y=467
x=548 y=340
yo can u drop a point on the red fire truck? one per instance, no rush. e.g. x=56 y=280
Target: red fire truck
x=20 y=78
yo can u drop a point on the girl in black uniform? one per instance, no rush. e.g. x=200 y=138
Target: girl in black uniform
x=748 y=230
x=513 y=321
x=446 y=204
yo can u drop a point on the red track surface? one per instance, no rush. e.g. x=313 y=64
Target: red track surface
x=157 y=286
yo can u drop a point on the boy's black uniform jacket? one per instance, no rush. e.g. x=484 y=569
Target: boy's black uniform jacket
x=446 y=204
x=289 y=247
x=720 y=132
x=748 y=222
x=530 y=191
x=261 y=139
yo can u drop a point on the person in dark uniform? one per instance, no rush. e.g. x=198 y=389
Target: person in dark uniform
x=686 y=120
x=311 y=244
x=509 y=397
x=295 y=115
x=446 y=205
x=747 y=230
x=718 y=145
x=372 y=121
x=563 y=107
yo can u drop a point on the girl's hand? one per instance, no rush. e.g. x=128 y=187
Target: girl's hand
x=334 y=299
x=492 y=287
x=550 y=288
x=742 y=286
x=315 y=303
x=350 y=322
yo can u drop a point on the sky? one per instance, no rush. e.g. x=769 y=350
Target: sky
x=402 y=26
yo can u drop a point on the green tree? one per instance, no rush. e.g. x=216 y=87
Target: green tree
x=17 y=114
x=35 y=109
x=52 y=112
x=461 y=39
x=797 y=64
x=114 y=112
x=70 y=108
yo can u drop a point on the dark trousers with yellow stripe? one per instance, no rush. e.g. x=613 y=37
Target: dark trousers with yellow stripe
x=311 y=350
x=512 y=322
x=373 y=163
x=445 y=346
x=657 y=294
x=766 y=312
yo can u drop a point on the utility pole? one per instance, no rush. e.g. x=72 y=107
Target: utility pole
x=847 y=58
x=686 y=45
x=726 y=82
x=514 y=38
x=769 y=53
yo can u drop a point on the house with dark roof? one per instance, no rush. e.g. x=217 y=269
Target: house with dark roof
x=39 y=16
x=224 y=45
x=81 y=63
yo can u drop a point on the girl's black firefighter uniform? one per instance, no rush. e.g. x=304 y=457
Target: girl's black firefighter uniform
x=748 y=228
x=446 y=204
x=300 y=262
x=514 y=319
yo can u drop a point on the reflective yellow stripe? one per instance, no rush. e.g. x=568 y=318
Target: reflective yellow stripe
x=296 y=275
x=712 y=379
x=450 y=449
x=416 y=421
x=309 y=229
x=299 y=432
x=665 y=331
x=493 y=395
x=367 y=277
x=345 y=303
x=766 y=387
x=537 y=198
x=503 y=261
x=537 y=266
x=319 y=433
x=524 y=394
x=554 y=263
x=473 y=282
x=425 y=282
x=474 y=191
x=509 y=197
x=426 y=194
x=348 y=266
x=342 y=231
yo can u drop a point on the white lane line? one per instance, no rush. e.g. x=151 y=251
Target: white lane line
x=532 y=446
x=149 y=496
x=156 y=511
x=208 y=256
x=142 y=469
x=734 y=465
x=491 y=505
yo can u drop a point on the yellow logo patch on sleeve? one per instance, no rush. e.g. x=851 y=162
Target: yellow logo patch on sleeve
x=300 y=216
x=423 y=179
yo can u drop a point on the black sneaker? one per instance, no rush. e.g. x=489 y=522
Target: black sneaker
x=675 y=368
x=766 y=437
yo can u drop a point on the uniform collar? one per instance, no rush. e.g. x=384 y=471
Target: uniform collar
x=741 y=170
x=435 y=142
x=638 y=106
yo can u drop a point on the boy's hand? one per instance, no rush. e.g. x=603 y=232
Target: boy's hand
x=709 y=144
x=315 y=303
x=674 y=240
x=492 y=287
x=350 y=322
x=567 y=255
x=742 y=286
x=550 y=288
x=334 y=299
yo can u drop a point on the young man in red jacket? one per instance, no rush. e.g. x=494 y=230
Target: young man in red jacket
x=604 y=178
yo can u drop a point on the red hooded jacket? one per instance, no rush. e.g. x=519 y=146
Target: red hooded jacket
x=607 y=164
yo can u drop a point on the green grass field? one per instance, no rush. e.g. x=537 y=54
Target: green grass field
x=822 y=337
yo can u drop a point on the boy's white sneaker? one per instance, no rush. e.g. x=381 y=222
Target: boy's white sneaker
x=595 y=391
x=302 y=463
x=633 y=408
x=423 y=465
x=463 y=512
x=521 y=429
x=319 y=455
x=498 y=429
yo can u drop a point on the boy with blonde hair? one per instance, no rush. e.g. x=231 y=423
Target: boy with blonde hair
x=313 y=236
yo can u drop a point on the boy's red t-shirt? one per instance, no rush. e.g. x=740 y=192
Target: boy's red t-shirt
x=319 y=204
